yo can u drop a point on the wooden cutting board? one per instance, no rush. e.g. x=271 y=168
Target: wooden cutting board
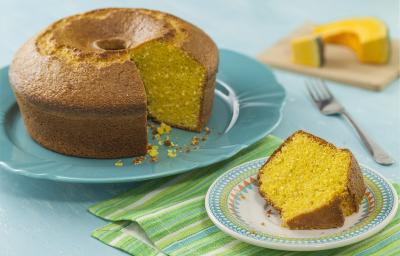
x=341 y=64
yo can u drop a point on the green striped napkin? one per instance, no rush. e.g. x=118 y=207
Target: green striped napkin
x=167 y=217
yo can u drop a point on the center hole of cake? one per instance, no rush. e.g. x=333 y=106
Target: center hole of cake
x=111 y=44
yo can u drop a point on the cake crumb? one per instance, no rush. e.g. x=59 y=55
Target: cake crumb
x=152 y=151
x=242 y=197
x=167 y=143
x=269 y=211
x=164 y=128
x=172 y=153
x=262 y=224
x=153 y=159
x=161 y=137
x=195 y=141
x=119 y=163
x=138 y=160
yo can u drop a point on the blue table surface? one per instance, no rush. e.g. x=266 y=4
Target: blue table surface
x=47 y=218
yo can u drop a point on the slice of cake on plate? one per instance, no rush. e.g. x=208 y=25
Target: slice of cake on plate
x=313 y=184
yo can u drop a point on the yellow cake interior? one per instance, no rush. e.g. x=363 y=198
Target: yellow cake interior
x=306 y=175
x=173 y=82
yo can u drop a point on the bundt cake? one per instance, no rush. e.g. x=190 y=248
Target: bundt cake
x=313 y=184
x=86 y=84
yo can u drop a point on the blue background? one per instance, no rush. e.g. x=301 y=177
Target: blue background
x=48 y=218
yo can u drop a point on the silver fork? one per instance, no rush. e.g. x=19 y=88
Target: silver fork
x=328 y=105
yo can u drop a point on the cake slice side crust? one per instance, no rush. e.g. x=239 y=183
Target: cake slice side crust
x=356 y=186
x=327 y=216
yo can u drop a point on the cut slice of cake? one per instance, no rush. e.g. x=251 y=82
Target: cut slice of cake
x=313 y=184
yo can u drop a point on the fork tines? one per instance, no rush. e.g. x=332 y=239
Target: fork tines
x=318 y=90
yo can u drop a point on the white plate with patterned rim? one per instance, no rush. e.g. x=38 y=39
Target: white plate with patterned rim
x=235 y=206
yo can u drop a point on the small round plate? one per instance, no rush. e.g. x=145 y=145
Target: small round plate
x=248 y=106
x=235 y=206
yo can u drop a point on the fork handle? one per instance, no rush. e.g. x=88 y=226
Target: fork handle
x=379 y=155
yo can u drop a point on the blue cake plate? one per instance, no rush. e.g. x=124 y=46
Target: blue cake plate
x=247 y=106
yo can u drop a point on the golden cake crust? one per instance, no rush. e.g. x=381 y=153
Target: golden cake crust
x=68 y=49
x=51 y=83
x=327 y=216
x=64 y=73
